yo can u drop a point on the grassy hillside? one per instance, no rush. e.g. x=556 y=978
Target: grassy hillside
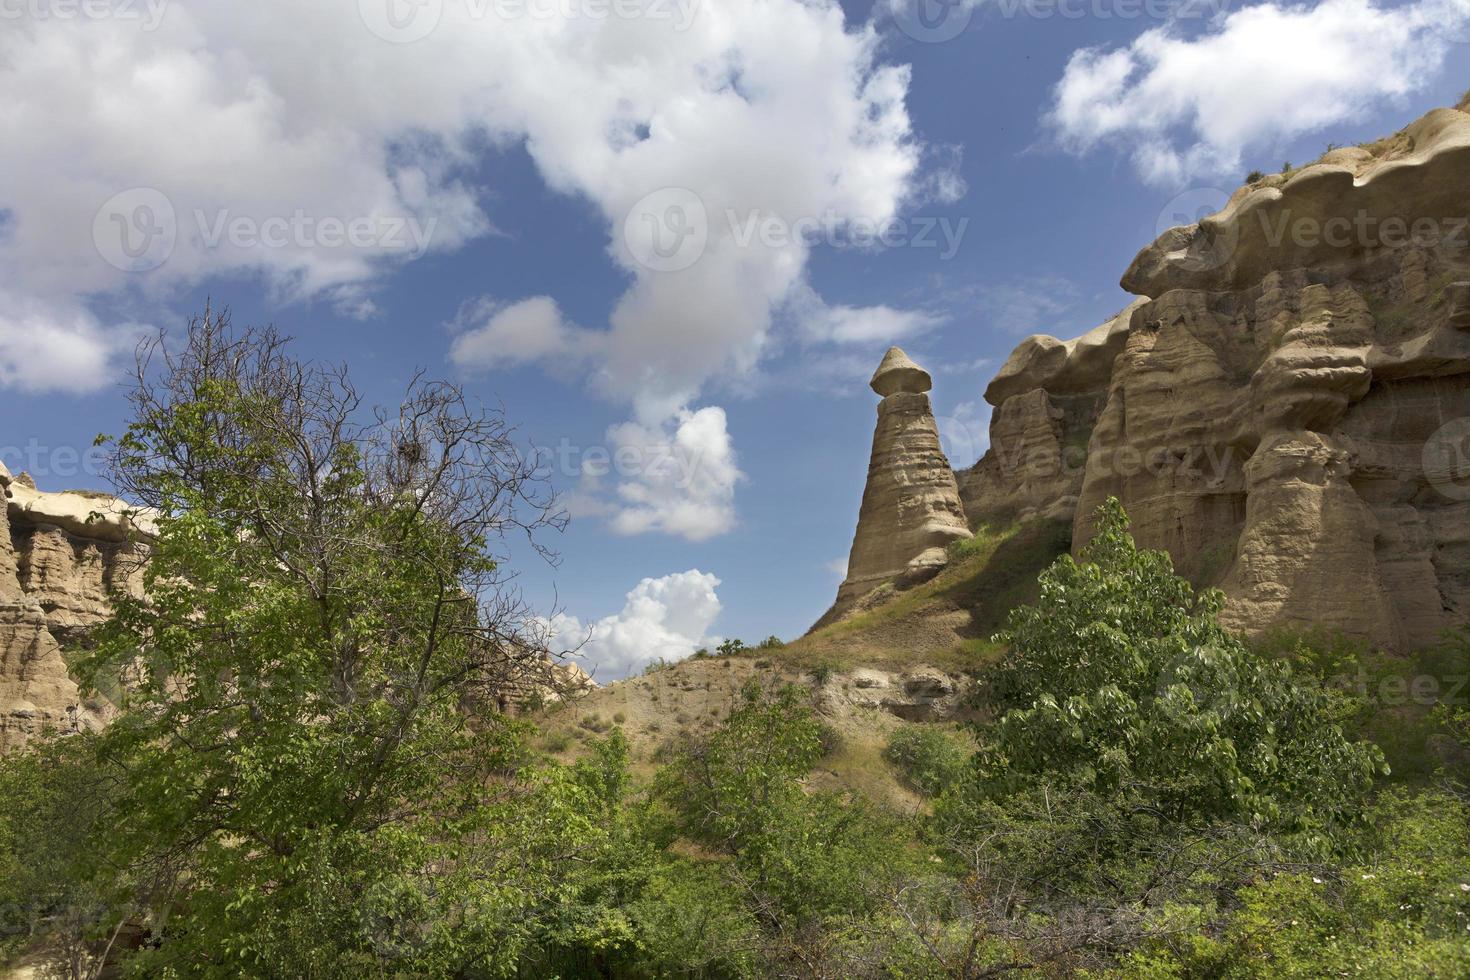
x=947 y=621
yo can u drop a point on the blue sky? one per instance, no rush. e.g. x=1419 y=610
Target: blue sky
x=1028 y=157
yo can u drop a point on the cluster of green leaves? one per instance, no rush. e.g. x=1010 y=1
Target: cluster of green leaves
x=1402 y=909
x=929 y=758
x=1120 y=679
x=740 y=793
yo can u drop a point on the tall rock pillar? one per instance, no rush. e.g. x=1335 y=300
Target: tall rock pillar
x=911 y=506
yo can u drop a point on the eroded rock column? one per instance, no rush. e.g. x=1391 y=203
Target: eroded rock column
x=911 y=508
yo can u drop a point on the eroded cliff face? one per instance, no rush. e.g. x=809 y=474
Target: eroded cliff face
x=61 y=556
x=1286 y=408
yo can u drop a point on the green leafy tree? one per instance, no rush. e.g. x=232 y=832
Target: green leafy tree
x=1120 y=679
x=812 y=868
x=313 y=776
x=54 y=802
x=1141 y=766
x=1401 y=912
x=929 y=758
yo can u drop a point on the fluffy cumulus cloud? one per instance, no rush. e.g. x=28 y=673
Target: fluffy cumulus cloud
x=818 y=323
x=663 y=618
x=318 y=146
x=56 y=346
x=1190 y=106
x=512 y=334
x=677 y=476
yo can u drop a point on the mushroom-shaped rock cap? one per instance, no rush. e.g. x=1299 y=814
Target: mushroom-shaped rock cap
x=899 y=373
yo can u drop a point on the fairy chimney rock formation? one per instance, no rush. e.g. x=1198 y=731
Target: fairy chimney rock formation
x=911 y=508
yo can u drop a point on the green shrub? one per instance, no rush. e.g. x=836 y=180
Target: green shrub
x=929 y=758
x=1402 y=911
x=1121 y=677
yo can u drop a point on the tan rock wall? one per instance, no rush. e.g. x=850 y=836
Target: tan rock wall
x=60 y=555
x=1288 y=417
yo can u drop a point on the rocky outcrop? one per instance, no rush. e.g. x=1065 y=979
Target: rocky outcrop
x=1286 y=408
x=921 y=693
x=911 y=508
x=61 y=556
x=1047 y=398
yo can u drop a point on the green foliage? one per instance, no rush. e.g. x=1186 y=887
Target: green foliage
x=1399 y=702
x=1403 y=912
x=1121 y=678
x=772 y=642
x=1254 y=177
x=297 y=786
x=53 y=801
x=800 y=857
x=928 y=757
x=731 y=648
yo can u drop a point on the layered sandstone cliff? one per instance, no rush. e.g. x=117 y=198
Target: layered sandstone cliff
x=1286 y=407
x=911 y=510
x=61 y=556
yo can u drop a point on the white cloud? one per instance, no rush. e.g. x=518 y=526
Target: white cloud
x=1258 y=77
x=530 y=331
x=280 y=115
x=818 y=322
x=664 y=618
x=56 y=348
x=677 y=477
